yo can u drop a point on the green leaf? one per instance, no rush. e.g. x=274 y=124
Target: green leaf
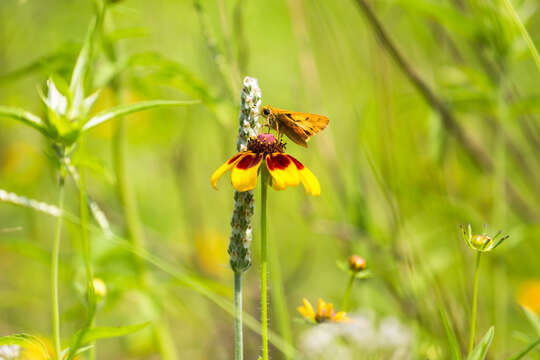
x=87 y=336
x=450 y=334
x=105 y=332
x=83 y=60
x=533 y=319
x=480 y=351
x=25 y=117
x=25 y=340
x=122 y=110
x=525 y=351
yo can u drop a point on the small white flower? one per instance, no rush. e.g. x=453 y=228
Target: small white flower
x=389 y=338
x=9 y=352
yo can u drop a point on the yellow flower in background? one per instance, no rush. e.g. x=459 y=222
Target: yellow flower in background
x=325 y=312
x=528 y=295
x=36 y=352
x=211 y=252
x=284 y=169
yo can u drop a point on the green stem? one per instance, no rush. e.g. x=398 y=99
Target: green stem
x=264 y=270
x=475 y=301
x=347 y=295
x=54 y=273
x=238 y=337
x=524 y=32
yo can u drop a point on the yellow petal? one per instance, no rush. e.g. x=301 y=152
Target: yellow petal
x=340 y=317
x=224 y=168
x=310 y=182
x=329 y=310
x=321 y=307
x=309 y=308
x=284 y=172
x=244 y=172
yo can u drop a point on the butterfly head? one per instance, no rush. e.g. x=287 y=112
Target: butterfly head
x=266 y=111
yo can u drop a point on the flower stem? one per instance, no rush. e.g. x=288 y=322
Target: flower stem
x=264 y=270
x=347 y=295
x=54 y=273
x=238 y=338
x=475 y=301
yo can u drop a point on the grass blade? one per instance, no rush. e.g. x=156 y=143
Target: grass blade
x=481 y=350
x=450 y=334
x=533 y=319
x=122 y=110
x=526 y=350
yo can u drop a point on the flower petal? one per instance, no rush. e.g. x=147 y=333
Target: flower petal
x=321 y=308
x=340 y=317
x=307 y=310
x=283 y=171
x=329 y=311
x=311 y=184
x=224 y=168
x=244 y=172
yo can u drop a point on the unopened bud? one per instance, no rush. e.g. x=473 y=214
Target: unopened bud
x=480 y=241
x=357 y=263
x=100 y=289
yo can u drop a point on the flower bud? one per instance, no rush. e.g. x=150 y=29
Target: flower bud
x=480 y=241
x=357 y=263
x=100 y=289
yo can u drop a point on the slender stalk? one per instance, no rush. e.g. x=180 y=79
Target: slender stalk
x=477 y=153
x=475 y=301
x=264 y=270
x=524 y=32
x=347 y=294
x=238 y=337
x=54 y=273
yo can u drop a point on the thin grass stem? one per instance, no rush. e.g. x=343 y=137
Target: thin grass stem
x=347 y=294
x=264 y=270
x=524 y=32
x=475 y=301
x=54 y=273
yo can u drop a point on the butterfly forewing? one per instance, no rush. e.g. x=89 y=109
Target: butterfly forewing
x=299 y=126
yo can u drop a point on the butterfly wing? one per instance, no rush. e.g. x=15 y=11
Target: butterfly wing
x=299 y=126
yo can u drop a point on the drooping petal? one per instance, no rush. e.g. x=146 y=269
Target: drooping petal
x=224 y=168
x=310 y=182
x=340 y=317
x=284 y=172
x=244 y=172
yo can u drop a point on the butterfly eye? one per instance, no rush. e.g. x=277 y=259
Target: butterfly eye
x=266 y=112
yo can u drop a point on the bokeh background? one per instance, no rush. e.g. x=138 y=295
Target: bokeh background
x=397 y=177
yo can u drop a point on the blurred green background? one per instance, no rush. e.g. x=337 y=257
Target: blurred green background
x=396 y=180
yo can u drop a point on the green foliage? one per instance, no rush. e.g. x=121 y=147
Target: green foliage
x=481 y=350
x=396 y=177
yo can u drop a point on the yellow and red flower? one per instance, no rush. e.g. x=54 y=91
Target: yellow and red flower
x=284 y=169
x=325 y=312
